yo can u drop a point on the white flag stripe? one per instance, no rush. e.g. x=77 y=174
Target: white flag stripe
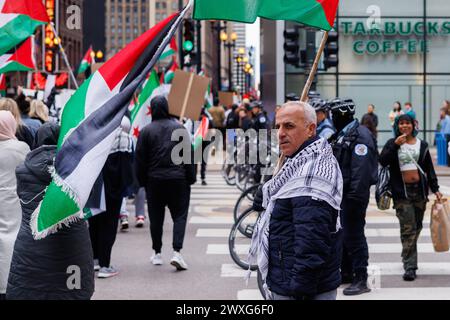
x=4 y=59
x=93 y=161
x=5 y=18
x=98 y=93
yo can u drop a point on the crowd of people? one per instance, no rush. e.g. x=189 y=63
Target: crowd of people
x=309 y=240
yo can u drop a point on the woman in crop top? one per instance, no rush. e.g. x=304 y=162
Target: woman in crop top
x=411 y=176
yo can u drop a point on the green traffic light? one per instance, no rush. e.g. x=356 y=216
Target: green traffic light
x=188 y=45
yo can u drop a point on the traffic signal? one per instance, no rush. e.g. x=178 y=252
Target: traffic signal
x=331 y=50
x=291 y=46
x=188 y=42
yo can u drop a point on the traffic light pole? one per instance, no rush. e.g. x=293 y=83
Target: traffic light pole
x=199 y=46
x=310 y=54
x=314 y=67
x=180 y=38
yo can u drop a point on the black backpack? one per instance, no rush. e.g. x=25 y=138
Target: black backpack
x=383 y=193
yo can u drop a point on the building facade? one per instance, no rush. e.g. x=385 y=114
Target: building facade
x=125 y=21
x=389 y=51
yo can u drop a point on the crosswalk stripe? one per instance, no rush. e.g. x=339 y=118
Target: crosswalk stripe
x=370 y=233
x=234 y=271
x=431 y=293
x=211 y=220
x=373 y=248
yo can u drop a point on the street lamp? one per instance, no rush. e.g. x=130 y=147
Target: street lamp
x=217 y=26
x=230 y=45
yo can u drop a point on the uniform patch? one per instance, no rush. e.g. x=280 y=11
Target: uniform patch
x=361 y=149
x=262 y=120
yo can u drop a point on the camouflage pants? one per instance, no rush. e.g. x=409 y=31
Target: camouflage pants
x=410 y=214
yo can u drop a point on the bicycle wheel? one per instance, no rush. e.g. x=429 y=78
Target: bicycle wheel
x=244 y=202
x=241 y=176
x=239 y=241
x=230 y=175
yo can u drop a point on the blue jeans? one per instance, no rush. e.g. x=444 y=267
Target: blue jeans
x=330 y=295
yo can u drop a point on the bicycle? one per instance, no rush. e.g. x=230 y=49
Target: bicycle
x=240 y=238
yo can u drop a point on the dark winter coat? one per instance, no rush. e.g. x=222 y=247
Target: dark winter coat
x=41 y=269
x=304 y=248
x=155 y=145
x=389 y=157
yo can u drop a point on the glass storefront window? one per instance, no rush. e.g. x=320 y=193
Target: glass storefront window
x=382 y=7
x=438 y=8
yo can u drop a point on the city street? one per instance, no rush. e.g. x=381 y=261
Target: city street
x=212 y=273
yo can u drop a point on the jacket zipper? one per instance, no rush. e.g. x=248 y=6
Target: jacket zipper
x=280 y=256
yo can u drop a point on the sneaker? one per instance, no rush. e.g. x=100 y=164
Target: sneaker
x=104 y=272
x=96 y=265
x=123 y=223
x=410 y=275
x=157 y=259
x=204 y=183
x=178 y=261
x=140 y=222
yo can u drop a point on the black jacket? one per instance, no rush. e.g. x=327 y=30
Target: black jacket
x=389 y=157
x=154 y=149
x=357 y=155
x=39 y=268
x=304 y=248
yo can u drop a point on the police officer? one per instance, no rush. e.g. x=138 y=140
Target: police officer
x=260 y=122
x=325 y=128
x=356 y=151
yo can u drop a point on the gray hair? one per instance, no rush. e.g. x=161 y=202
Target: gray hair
x=310 y=113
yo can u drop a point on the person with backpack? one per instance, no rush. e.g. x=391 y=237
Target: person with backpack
x=411 y=175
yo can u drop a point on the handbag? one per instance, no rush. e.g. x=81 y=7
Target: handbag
x=440 y=225
x=383 y=193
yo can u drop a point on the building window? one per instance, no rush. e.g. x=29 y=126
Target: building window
x=158 y=5
x=174 y=6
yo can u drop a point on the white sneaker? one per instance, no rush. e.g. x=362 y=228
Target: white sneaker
x=96 y=265
x=157 y=259
x=178 y=261
x=107 y=272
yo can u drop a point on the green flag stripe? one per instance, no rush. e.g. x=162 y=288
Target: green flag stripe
x=305 y=11
x=84 y=65
x=71 y=117
x=17 y=30
x=152 y=84
x=14 y=66
x=57 y=202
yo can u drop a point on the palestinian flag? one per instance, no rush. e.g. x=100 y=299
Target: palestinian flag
x=201 y=133
x=208 y=98
x=170 y=71
x=20 y=60
x=2 y=85
x=89 y=125
x=170 y=50
x=141 y=114
x=315 y=13
x=18 y=20
x=86 y=62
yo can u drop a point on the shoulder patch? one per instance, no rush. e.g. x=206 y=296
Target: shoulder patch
x=361 y=149
x=262 y=120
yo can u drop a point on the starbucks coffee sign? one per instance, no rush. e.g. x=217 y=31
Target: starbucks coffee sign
x=391 y=37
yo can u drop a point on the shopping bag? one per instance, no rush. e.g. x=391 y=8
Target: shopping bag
x=440 y=225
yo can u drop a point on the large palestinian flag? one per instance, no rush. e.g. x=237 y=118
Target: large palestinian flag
x=20 y=60
x=86 y=62
x=316 y=13
x=18 y=20
x=89 y=125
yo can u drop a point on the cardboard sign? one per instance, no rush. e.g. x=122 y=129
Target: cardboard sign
x=226 y=98
x=187 y=95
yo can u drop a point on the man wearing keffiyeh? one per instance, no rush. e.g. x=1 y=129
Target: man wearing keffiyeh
x=296 y=242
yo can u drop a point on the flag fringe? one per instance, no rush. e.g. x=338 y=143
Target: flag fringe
x=38 y=235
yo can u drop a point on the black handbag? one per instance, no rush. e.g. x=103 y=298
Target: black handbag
x=383 y=193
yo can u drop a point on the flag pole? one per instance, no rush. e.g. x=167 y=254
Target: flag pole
x=313 y=72
x=61 y=49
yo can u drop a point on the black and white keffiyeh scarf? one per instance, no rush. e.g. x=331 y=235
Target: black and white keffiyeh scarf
x=313 y=172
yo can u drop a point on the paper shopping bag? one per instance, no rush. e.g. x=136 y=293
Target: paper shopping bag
x=440 y=226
